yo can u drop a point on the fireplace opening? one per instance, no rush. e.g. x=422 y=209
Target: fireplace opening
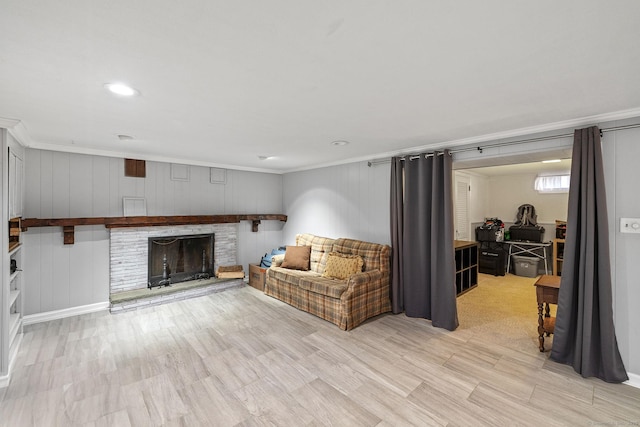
x=178 y=259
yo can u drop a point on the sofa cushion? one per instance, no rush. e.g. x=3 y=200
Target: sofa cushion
x=320 y=248
x=341 y=266
x=323 y=286
x=286 y=275
x=374 y=255
x=297 y=258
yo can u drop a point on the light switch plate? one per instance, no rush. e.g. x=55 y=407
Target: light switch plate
x=630 y=225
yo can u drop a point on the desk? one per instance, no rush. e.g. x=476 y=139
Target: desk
x=547 y=288
x=518 y=248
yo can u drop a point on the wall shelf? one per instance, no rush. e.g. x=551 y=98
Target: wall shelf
x=14 y=326
x=13 y=296
x=14 y=232
x=13 y=249
x=68 y=224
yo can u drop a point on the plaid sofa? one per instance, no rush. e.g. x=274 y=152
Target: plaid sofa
x=347 y=303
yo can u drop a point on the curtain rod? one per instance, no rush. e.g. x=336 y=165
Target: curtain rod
x=504 y=144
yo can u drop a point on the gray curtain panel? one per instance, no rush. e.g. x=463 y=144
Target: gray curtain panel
x=422 y=226
x=397 y=227
x=584 y=336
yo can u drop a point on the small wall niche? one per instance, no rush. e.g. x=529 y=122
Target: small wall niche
x=217 y=176
x=180 y=172
x=135 y=168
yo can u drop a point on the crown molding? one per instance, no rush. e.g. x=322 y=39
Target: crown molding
x=17 y=129
x=8 y=123
x=597 y=119
x=147 y=157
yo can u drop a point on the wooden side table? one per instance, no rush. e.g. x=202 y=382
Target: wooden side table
x=547 y=288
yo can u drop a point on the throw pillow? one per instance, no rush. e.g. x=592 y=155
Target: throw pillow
x=341 y=266
x=297 y=257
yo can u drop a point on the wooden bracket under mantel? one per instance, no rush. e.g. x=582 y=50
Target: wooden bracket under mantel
x=68 y=224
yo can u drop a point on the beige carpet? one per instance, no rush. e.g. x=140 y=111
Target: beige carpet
x=504 y=307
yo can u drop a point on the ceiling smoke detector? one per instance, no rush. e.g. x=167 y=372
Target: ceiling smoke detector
x=339 y=143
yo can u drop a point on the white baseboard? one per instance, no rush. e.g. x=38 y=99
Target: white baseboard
x=6 y=379
x=634 y=380
x=30 y=319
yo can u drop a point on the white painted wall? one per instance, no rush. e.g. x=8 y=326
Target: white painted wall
x=60 y=185
x=341 y=201
x=508 y=192
x=621 y=151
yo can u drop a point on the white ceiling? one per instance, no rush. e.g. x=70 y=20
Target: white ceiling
x=224 y=82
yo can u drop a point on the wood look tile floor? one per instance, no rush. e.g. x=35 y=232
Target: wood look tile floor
x=240 y=358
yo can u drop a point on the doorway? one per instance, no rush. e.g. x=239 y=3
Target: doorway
x=506 y=305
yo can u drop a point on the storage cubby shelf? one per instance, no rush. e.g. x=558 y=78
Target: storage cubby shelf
x=558 y=247
x=466 y=266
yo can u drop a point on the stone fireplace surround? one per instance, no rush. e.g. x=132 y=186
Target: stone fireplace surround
x=128 y=253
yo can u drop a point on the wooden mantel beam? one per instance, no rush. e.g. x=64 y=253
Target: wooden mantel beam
x=68 y=224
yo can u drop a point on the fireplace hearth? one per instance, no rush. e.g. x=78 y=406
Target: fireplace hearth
x=175 y=259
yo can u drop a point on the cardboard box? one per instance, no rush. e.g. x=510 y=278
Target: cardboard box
x=257 y=276
x=230 y=272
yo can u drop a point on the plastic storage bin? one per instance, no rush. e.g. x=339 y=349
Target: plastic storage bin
x=525 y=266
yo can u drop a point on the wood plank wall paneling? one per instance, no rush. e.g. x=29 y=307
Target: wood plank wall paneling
x=621 y=151
x=349 y=200
x=61 y=182
x=78 y=185
x=81 y=186
x=45 y=203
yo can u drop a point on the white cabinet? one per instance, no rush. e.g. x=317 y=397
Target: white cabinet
x=11 y=280
x=15 y=184
x=14 y=302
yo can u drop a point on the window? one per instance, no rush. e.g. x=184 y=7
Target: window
x=553 y=184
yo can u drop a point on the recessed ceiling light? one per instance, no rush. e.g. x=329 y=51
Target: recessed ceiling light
x=123 y=137
x=121 y=89
x=552 y=161
x=339 y=143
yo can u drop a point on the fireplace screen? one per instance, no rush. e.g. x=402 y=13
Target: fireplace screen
x=177 y=259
